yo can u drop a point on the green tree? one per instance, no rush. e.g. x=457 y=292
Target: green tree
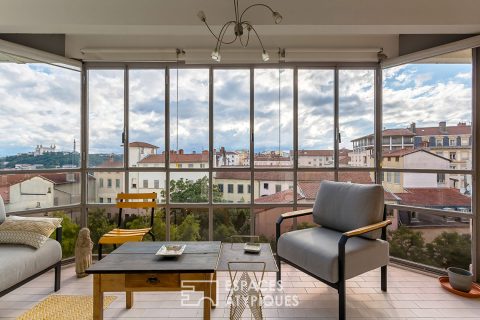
x=143 y=221
x=99 y=224
x=190 y=191
x=69 y=233
x=188 y=230
x=229 y=222
x=450 y=249
x=408 y=244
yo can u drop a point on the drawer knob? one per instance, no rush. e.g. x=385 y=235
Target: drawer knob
x=152 y=280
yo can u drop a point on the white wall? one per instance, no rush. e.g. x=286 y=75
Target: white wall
x=29 y=194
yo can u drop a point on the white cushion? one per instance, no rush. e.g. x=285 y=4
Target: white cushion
x=2 y=210
x=28 y=238
x=57 y=222
x=28 y=232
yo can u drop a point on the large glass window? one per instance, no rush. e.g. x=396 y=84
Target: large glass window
x=189 y=101
x=427 y=117
x=147 y=118
x=231 y=110
x=236 y=196
x=273 y=117
x=39 y=117
x=356 y=118
x=315 y=118
x=427 y=114
x=105 y=116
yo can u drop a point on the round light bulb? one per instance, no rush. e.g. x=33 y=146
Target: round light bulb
x=216 y=55
x=265 y=56
x=277 y=17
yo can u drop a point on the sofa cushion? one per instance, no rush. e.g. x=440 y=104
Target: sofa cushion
x=18 y=262
x=31 y=233
x=316 y=250
x=2 y=210
x=347 y=206
x=57 y=222
x=28 y=238
x=44 y=228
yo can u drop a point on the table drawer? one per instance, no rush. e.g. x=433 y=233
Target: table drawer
x=152 y=280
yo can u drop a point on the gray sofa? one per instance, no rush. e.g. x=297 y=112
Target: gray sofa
x=19 y=263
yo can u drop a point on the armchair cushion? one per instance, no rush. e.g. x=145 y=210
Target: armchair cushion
x=316 y=250
x=347 y=206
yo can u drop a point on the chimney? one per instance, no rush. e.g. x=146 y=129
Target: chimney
x=442 y=125
x=413 y=127
x=462 y=124
x=180 y=151
x=205 y=152
x=194 y=152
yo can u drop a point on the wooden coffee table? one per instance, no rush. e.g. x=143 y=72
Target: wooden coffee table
x=134 y=267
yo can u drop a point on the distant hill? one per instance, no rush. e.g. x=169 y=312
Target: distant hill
x=55 y=160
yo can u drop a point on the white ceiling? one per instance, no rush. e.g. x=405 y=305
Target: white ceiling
x=174 y=23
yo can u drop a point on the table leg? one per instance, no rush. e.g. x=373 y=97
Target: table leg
x=97 y=298
x=213 y=290
x=207 y=300
x=129 y=299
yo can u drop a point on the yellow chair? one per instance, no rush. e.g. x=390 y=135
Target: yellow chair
x=119 y=236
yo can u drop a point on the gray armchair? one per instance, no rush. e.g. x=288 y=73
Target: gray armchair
x=350 y=240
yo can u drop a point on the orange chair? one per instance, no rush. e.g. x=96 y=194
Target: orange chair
x=118 y=235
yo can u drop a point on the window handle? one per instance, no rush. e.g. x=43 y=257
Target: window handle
x=339 y=137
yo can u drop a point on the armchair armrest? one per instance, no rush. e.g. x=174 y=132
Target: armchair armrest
x=58 y=234
x=294 y=214
x=289 y=215
x=368 y=228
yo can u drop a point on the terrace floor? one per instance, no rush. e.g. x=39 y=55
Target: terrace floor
x=410 y=295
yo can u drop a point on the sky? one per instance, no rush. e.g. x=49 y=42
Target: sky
x=40 y=104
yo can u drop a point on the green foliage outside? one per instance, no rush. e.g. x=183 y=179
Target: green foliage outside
x=189 y=191
x=230 y=222
x=446 y=250
x=69 y=233
x=99 y=224
x=56 y=159
x=449 y=249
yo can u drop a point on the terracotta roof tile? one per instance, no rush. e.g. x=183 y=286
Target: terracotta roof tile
x=285 y=196
x=177 y=158
x=325 y=153
x=110 y=163
x=432 y=131
x=142 y=145
x=405 y=151
x=434 y=197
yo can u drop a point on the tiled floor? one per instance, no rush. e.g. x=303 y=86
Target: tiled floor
x=410 y=296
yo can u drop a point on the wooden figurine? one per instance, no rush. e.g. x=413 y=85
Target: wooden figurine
x=83 y=252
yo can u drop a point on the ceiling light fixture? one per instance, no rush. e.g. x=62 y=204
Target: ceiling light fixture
x=239 y=25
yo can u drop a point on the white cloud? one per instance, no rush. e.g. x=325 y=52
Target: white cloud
x=38 y=105
x=41 y=105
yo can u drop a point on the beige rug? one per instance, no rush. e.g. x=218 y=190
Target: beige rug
x=58 y=307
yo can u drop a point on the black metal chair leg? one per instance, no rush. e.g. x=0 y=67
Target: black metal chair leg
x=58 y=273
x=279 y=272
x=341 y=300
x=383 y=272
x=151 y=234
x=99 y=252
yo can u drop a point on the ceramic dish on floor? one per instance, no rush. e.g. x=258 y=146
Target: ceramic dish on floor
x=473 y=293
